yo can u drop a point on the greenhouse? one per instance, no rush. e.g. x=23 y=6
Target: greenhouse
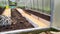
x=29 y=16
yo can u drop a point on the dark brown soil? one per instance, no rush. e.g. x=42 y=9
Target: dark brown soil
x=18 y=22
x=1 y=10
x=46 y=17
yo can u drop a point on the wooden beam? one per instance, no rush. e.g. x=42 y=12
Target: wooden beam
x=7 y=12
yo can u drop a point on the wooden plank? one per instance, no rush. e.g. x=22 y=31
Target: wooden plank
x=7 y=12
x=33 y=19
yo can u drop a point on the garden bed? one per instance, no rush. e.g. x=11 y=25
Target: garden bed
x=18 y=22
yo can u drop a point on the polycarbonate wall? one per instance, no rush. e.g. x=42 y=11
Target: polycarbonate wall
x=21 y=3
x=56 y=14
x=46 y=6
x=39 y=5
x=3 y=3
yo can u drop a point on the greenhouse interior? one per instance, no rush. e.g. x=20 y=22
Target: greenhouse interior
x=29 y=16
